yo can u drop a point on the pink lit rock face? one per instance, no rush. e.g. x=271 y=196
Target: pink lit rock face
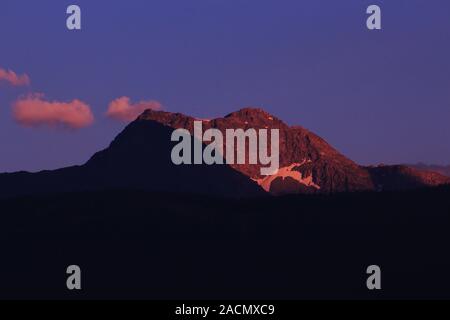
x=308 y=164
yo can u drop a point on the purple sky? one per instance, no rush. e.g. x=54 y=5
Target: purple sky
x=377 y=96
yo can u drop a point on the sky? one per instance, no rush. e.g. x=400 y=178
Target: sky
x=380 y=96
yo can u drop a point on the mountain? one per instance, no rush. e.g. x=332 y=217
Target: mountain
x=308 y=164
x=139 y=158
x=444 y=170
x=402 y=177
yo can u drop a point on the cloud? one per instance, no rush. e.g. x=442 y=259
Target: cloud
x=34 y=111
x=122 y=110
x=13 y=79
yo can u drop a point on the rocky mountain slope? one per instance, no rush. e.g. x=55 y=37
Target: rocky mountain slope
x=401 y=177
x=443 y=170
x=308 y=164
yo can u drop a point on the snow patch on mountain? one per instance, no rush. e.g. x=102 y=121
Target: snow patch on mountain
x=286 y=172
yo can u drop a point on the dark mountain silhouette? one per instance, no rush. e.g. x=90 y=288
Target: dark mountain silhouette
x=308 y=164
x=139 y=158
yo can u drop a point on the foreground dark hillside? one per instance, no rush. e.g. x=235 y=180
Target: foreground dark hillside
x=132 y=244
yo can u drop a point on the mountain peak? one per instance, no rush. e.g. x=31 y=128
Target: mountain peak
x=174 y=120
x=150 y=114
x=251 y=113
x=248 y=110
x=254 y=117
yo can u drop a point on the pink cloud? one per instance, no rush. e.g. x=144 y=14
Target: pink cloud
x=122 y=110
x=34 y=111
x=12 y=78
